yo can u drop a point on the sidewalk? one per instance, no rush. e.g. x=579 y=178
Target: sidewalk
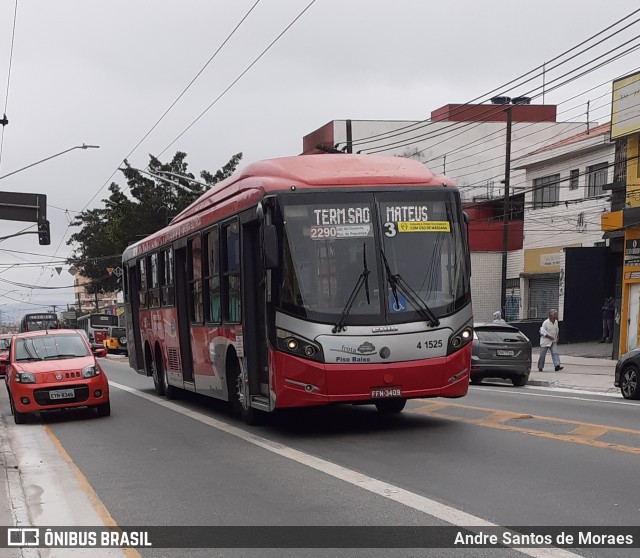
x=587 y=366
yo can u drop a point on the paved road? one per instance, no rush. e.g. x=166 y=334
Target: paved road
x=502 y=455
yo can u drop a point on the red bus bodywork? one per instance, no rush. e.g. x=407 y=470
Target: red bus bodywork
x=158 y=343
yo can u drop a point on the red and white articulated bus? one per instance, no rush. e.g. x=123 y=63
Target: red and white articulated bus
x=306 y=281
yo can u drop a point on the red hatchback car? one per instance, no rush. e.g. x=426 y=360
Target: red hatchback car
x=5 y=341
x=54 y=369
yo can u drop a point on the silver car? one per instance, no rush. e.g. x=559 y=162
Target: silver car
x=500 y=351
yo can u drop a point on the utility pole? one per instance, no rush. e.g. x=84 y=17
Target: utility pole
x=349 y=146
x=505 y=216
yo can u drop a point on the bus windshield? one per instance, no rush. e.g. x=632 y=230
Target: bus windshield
x=103 y=320
x=39 y=322
x=327 y=245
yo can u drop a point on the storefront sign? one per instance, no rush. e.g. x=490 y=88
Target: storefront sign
x=632 y=252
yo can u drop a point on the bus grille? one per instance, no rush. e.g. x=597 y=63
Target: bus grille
x=42 y=396
x=173 y=356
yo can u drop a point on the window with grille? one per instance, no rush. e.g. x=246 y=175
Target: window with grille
x=596 y=178
x=546 y=191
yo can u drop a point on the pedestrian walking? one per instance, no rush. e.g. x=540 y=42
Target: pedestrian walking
x=608 y=312
x=549 y=334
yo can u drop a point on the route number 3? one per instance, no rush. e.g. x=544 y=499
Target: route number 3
x=390 y=229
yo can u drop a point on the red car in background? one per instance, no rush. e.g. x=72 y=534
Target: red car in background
x=54 y=369
x=5 y=341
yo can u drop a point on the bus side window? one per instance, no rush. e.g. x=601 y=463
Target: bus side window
x=125 y=283
x=142 y=285
x=154 y=292
x=166 y=275
x=195 y=280
x=212 y=282
x=231 y=241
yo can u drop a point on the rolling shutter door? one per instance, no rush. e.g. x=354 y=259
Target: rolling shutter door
x=543 y=295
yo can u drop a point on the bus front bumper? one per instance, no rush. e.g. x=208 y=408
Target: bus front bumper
x=297 y=382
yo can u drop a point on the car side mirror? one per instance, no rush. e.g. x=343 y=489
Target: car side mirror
x=100 y=353
x=270 y=245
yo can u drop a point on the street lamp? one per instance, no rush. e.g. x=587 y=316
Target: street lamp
x=83 y=146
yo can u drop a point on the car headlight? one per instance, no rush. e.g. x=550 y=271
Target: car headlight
x=90 y=371
x=299 y=346
x=460 y=339
x=25 y=378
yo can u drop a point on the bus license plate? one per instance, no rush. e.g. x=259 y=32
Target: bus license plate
x=505 y=353
x=383 y=392
x=62 y=394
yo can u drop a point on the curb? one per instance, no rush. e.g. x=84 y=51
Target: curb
x=542 y=383
x=17 y=501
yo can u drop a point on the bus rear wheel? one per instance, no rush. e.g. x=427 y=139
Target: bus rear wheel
x=390 y=406
x=152 y=370
x=170 y=391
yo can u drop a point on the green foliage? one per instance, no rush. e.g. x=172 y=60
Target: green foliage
x=106 y=232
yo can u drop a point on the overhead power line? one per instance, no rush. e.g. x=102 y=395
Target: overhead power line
x=255 y=61
x=6 y=98
x=486 y=96
x=494 y=109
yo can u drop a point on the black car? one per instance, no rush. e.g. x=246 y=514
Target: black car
x=500 y=351
x=627 y=374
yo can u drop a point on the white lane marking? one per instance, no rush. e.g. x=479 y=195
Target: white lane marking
x=380 y=488
x=513 y=392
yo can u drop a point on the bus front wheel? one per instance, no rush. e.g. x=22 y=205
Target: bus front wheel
x=239 y=397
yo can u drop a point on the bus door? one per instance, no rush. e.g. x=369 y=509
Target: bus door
x=253 y=296
x=131 y=314
x=183 y=312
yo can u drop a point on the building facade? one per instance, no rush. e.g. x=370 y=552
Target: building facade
x=623 y=221
x=90 y=302
x=564 y=262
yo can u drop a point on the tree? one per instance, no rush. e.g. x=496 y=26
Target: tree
x=106 y=232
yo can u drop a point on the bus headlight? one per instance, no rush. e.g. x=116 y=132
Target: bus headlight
x=295 y=345
x=460 y=339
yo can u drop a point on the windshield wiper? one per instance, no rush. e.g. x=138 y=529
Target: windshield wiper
x=53 y=357
x=397 y=282
x=363 y=279
x=28 y=359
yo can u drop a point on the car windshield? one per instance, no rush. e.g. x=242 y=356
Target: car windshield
x=50 y=347
x=4 y=344
x=329 y=242
x=499 y=335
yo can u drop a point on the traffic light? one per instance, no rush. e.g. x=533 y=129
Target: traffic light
x=44 y=234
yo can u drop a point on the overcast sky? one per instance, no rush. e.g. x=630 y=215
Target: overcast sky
x=102 y=73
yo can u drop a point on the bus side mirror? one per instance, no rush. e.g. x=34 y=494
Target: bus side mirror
x=270 y=246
